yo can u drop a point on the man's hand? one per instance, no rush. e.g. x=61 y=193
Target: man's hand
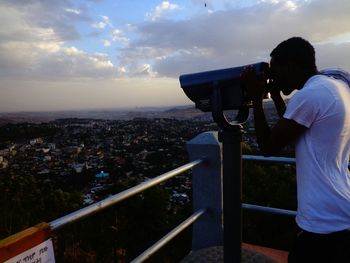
x=275 y=93
x=285 y=131
x=256 y=88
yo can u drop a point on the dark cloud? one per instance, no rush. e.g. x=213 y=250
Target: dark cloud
x=36 y=30
x=235 y=36
x=333 y=55
x=61 y=15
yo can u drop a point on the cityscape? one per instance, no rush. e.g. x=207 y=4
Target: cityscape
x=138 y=149
x=92 y=106
x=74 y=162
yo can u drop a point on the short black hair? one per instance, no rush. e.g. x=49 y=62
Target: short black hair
x=295 y=50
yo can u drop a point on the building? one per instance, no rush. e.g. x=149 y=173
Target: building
x=102 y=175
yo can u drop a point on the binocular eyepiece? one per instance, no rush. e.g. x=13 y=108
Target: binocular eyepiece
x=199 y=87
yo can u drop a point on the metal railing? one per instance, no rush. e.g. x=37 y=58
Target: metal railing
x=272 y=159
x=269 y=210
x=114 y=199
x=268 y=159
x=154 y=248
x=265 y=209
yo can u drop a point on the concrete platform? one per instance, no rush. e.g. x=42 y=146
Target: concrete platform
x=250 y=254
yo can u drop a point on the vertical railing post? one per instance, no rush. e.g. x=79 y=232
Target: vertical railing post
x=207 y=190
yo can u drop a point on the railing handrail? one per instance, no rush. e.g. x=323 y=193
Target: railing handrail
x=275 y=159
x=112 y=200
x=79 y=214
x=168 y=237
x=269 y=159
x=270 y=210
x=93 y=208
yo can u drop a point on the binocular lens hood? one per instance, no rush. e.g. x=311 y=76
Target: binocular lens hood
x=198 y=87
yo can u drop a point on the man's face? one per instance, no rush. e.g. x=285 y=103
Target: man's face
x=282 y=76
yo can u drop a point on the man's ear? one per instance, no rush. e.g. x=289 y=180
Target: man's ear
x=292 y=67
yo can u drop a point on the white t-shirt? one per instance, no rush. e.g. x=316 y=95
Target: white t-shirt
x=322 y=154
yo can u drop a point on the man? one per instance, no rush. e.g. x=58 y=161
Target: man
x=317 y=120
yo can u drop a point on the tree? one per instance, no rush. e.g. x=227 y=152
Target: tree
x=21 y=204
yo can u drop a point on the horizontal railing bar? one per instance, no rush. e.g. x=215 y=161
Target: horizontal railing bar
x=96 y=207
x=168 y=237
x=269 y=210
x=271 y=159
x=268 y=159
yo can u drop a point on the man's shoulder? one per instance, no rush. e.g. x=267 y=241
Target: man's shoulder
x=337 y=73
x=316 y=86
x=315 y=82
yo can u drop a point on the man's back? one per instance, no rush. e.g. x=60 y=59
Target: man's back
x=322 y=152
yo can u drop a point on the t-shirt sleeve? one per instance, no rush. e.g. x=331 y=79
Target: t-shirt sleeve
x=302 y=109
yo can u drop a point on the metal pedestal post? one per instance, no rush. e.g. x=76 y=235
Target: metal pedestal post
x=232 y=189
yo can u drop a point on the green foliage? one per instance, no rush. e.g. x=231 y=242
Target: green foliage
x=22 y=203
x=272 y=186
x=24 y=131
x=131 y=226
x=269 y=185
x=60 y=203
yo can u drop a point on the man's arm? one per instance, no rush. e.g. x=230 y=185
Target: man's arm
x=271 y=141
x=285 y=132
x=278 y=101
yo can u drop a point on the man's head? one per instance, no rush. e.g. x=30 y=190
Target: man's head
x=292 y=63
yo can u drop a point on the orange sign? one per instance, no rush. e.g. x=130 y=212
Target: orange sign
x=31 y=245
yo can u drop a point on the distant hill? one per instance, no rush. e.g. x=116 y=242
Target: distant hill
x=110 y=114
x=177 y=112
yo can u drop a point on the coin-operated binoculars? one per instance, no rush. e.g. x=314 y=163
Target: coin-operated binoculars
x=220 y=90
x=217 y=91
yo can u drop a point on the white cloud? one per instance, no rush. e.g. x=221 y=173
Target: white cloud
x=106 y=43
x=159 y=10
x=31 y=51
x=99 y=25
x=118 y=36
x=72 y=63
x=53 y=61
x=102 y=24
x=74 y=11
x=287 y=4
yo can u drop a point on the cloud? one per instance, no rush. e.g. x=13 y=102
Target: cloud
x=20 y=95
x=33 y=44
x=74 y=11
x=159 y=10
x=102 y=24
x=33 y=50
x=53 y=61
x=39 y=71
x=118 y=35
x=74 y=63
x=234 y=36
x=61 y=16
x=106 y=43
x=333 y=55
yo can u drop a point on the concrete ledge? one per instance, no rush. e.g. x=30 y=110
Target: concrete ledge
x=250 y=254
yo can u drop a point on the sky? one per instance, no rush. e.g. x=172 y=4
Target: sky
x=102 y=54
